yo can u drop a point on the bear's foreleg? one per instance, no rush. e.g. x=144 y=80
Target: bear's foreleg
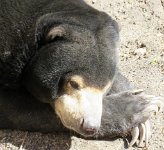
x=128 y=112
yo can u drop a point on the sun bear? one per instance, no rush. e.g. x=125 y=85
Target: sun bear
x=58 y=68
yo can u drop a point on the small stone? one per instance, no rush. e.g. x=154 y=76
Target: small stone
x=94 y=1
x=140 y=51
x=159 y=34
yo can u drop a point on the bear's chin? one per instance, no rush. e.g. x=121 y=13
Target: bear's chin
x=83 y=133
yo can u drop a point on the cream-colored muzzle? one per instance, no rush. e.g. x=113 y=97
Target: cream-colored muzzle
x=86 y=107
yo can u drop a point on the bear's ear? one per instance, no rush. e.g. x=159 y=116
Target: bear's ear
x=54 y=33
x=48 y=34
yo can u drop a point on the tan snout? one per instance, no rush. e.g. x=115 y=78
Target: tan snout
x=81 y=110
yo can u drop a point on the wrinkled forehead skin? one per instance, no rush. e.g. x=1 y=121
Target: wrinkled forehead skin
x=89 y=51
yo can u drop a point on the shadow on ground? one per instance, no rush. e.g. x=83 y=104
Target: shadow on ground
x=34 y=141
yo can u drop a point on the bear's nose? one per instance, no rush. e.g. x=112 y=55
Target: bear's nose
x=89 y=126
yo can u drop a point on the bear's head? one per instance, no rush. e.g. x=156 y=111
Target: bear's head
x=74 y=66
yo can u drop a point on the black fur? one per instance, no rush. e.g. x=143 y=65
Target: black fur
x=32 y=69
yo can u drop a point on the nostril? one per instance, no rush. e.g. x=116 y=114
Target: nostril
x=90 y=130
x=82 y=122
x=88 y=127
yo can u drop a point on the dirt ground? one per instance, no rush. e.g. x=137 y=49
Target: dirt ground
x=141 y=61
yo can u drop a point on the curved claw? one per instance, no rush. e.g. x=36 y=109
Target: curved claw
x=158 y=102
x=142 y=135
x=143 y=132
x=135 y=135
x=155 y=105
x=147 y=133
x=136 y=92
